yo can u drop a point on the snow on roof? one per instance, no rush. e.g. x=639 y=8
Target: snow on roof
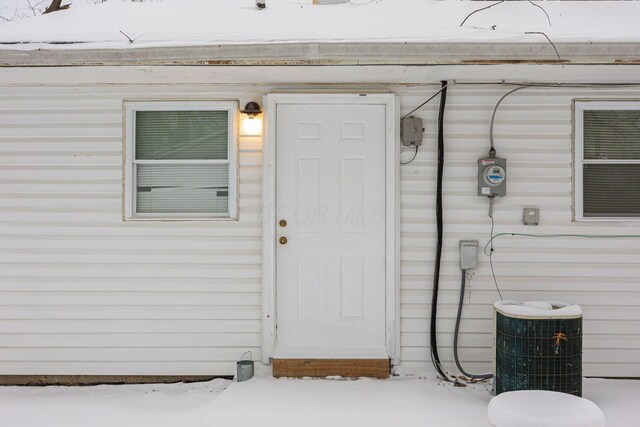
x=215 y=22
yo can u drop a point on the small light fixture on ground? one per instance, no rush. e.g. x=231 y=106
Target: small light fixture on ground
x=251 y=122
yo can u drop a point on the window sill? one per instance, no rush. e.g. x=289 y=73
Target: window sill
x=180 y=219
x=608 y=219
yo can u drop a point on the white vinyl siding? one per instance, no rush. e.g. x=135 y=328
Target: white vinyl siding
x=85 y=293
x=533 y=131
x=180 y=160
x=607 y=159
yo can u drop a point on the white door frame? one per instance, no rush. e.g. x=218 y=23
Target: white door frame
x=392 y=237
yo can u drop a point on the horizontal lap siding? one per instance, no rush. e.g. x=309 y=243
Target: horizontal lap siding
x=534 y=132
x=81 y=292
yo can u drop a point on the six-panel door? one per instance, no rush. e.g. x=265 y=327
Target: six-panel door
x=331 y=250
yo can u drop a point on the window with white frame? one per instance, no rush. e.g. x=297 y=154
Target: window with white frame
x=180 y=160
x=607 y=160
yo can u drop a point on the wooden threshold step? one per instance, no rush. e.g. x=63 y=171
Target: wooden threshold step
x=320 y=368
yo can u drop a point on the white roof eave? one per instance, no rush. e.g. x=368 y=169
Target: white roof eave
x=332 y=53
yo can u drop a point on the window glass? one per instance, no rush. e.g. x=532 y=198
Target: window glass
x=613 y=134
x=181 y=135
x=181 y=160
x=611 y=190
x=182 y=188
x=608 y=168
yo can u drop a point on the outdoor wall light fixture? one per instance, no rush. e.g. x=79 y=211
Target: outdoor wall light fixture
x=251 y=123
x=252 y=109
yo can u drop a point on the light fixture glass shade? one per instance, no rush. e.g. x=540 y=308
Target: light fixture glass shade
x=251 y=126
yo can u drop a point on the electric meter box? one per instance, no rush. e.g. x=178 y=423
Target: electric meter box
x=492 y=177
x=411 y=131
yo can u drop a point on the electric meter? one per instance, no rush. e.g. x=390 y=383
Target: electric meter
x=492 y=177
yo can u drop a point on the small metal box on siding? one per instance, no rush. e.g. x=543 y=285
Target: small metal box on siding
x=530 y=216
x=468 y=254
x=411 y=131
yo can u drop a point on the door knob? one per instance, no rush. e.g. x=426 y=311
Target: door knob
x=283 y=240
x=283 y=223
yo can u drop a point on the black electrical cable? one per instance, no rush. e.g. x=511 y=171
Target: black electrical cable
x=463 y=284
x=435 y=358
x=412 y=159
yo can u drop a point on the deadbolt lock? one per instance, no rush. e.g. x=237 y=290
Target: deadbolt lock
x=283 y=240
x=283 y=223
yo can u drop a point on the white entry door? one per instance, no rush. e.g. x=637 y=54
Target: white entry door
x=330 y=214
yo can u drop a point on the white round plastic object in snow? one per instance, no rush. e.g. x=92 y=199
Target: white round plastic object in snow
x=536 y=408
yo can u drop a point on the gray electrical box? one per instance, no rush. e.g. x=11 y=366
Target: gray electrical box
x=530 y=216
x=411 y=131
x=468 y=254
x=492 y=177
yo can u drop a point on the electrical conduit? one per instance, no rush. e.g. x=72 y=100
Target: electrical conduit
x=435 y=358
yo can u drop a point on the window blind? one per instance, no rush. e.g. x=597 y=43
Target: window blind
x=611 y=163
x=181 y=135
x=611 y=134
x=182 y=188
x=611 y=190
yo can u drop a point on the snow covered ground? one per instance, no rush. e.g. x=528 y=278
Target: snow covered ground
x=273 y=402
x=157 y=405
